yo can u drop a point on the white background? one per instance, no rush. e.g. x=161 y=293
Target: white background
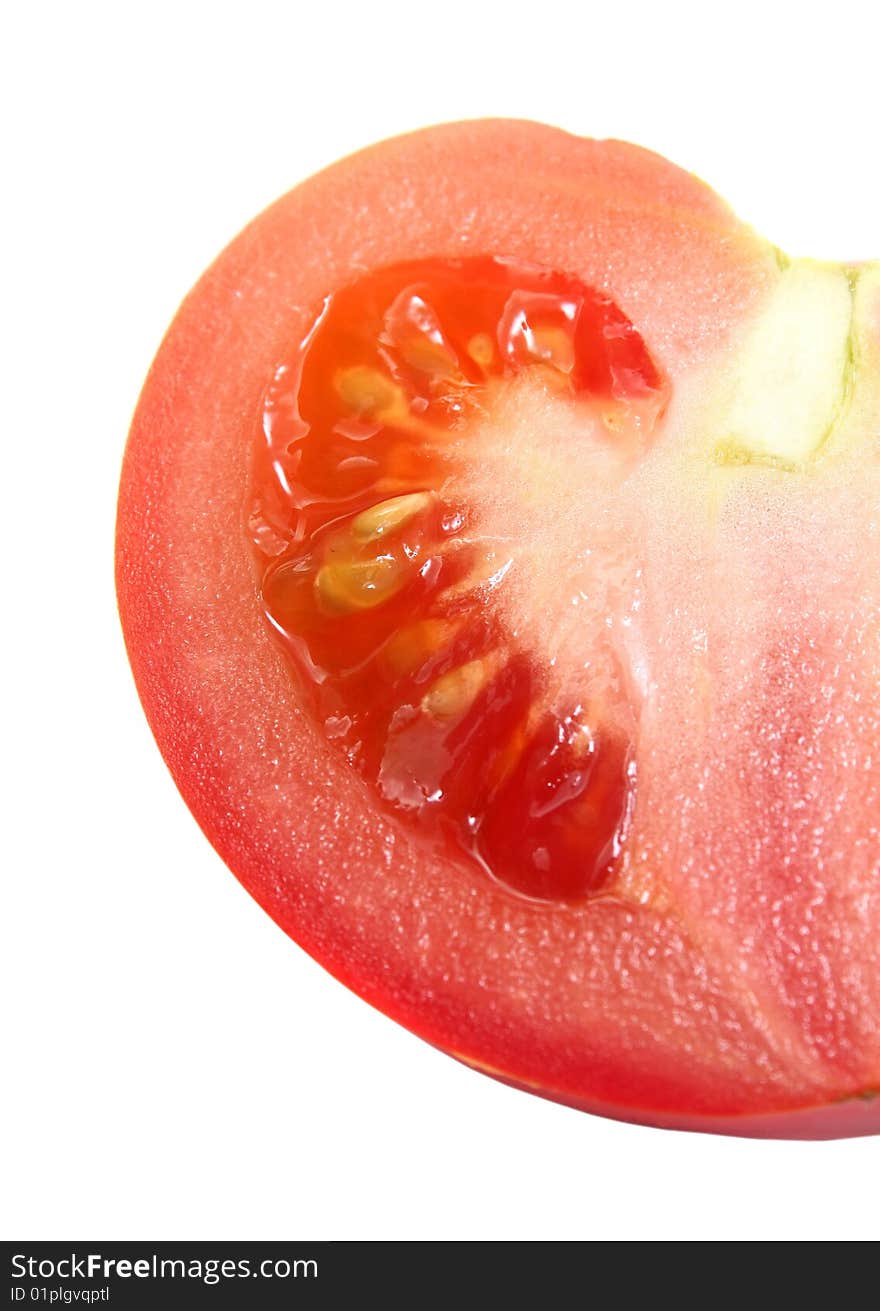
x=178 y=1068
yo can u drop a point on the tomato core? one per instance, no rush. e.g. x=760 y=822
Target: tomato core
x=387 y=594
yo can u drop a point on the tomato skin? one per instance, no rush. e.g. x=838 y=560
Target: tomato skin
x=855 y=1117
x=532 y=993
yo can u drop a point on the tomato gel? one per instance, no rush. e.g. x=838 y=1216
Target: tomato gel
x=385 y=586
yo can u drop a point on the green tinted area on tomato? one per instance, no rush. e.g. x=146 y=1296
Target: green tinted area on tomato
x=386 y=587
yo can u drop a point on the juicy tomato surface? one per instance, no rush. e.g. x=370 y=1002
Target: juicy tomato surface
x=389 y=607
x=498 y=562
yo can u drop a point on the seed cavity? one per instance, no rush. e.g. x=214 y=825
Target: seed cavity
x=385 y=548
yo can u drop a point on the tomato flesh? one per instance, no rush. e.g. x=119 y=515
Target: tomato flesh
x=384 y=591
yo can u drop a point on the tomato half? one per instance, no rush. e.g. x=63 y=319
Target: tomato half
x=498 y=563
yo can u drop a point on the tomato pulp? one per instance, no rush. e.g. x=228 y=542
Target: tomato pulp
x=557 y=744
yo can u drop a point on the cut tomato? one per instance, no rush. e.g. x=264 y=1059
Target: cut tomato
x=498 y=563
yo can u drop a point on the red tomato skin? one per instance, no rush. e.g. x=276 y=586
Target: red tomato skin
x=854 y=1117
x=532 y=994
